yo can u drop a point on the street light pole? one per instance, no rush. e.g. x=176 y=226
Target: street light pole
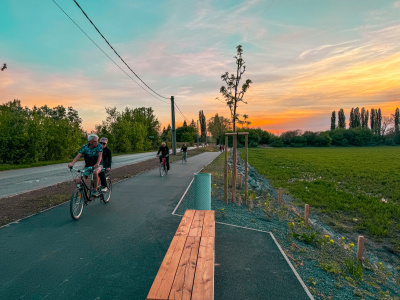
x=173 y=126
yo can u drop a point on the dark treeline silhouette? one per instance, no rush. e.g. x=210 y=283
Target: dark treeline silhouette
x=382 y=130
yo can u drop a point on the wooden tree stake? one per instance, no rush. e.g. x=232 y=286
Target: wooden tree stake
x=234 y=168
x=245 y=167
x=226 y=171
x=280 y=195
x=306 y=212
x=360 y=249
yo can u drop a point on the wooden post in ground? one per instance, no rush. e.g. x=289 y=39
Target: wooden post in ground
x=280 y=195
x=306 y=212
x=360 y=249
x=226 y=171
x=237 y=176
x=234 y=168
x=245 y=168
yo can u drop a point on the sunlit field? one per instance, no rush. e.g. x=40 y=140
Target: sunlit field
x=359 y=188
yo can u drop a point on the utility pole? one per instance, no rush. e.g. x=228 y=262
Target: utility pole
x=173 y=126
x=198 y=145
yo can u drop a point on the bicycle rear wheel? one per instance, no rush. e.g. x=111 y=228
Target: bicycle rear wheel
x=165 y=169
x=162 y=171
x=105 y=197
x=76 y=204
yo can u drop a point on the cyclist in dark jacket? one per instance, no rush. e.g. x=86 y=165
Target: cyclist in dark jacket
x=164 y=153
x=184 y=152
x=106 y=162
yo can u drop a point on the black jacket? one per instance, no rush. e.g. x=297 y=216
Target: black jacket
x=107 y=158
x=184 y=148
x=164 y=150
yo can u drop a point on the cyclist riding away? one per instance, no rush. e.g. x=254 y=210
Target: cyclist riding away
x=184 y=151
x=106 y=162
x=92 y=152
x=164 y=153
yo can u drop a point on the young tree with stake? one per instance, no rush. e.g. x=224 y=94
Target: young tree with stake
x=232 y=91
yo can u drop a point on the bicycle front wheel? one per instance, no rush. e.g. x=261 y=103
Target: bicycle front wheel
x=165 y=169
x=105 y=197
x=76 y=204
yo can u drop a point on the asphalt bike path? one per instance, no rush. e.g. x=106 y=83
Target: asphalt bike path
x=115 y=249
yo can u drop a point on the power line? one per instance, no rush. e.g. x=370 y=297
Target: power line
x=180 y=111
x=220 y=100
x=107 y=54
x=117 y=52
x=119 y=57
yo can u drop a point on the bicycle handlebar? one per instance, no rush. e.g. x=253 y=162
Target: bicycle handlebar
x=88 y=169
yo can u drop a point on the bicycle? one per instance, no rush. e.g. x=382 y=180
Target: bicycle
x=83 y=193
x=184 y=157
x=163 y=167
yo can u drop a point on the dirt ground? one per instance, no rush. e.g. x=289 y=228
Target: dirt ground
x=20 y=206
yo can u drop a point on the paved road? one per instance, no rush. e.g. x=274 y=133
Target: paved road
x=15 y=182
x=115 y=250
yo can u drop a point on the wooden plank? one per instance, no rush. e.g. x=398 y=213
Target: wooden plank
x=163 y=282
x=209 y=224
x=197 y=224
x=186 y=222
x=183 y=284
x=203 y=287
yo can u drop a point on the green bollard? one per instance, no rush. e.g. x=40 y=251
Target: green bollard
x=202 y=191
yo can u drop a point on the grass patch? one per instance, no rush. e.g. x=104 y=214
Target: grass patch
x=357 y=186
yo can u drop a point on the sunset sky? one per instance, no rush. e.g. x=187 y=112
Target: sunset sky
x=306 y=58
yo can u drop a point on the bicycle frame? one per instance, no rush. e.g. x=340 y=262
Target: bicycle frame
x=87 y=190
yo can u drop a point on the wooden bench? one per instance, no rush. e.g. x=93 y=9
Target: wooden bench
x=187 y=271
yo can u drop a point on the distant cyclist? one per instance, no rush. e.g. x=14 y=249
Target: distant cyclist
x=164 y=153
x=92 y=152
x=106 y=162
x=184 y=151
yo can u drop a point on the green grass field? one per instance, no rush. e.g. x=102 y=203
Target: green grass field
x=359 y=188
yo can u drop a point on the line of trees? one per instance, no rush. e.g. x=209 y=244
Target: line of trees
x=131 y=130
x=383 y=130
x=360 y=118
x=184 y=134
x=38 y=134
x=45 y=134
x=219 y=125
